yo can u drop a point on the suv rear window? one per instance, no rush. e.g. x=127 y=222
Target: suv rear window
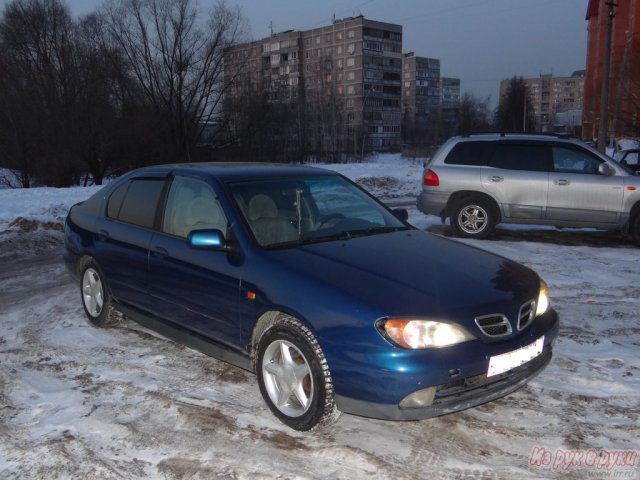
x=475 y=154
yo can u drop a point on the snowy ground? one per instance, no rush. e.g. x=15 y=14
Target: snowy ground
x=77 y=401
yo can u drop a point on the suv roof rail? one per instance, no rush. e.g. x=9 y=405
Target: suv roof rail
x=505 y=134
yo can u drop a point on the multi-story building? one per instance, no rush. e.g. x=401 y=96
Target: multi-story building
x=421 y=87
x=429 y=102
x=624 y=74
x=347 y=75
x=549 y=96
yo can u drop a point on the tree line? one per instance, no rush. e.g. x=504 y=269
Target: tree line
x=135 y=83
x=140 y=82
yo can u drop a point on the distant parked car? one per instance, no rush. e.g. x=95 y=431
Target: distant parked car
x=629 y=158
x=301 y=276
x=480 y=181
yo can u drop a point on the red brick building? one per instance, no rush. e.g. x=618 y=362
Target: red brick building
x=624 y=83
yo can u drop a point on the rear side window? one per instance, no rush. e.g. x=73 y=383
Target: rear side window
x=470 y=153
x=514 y=156
x=135 y=202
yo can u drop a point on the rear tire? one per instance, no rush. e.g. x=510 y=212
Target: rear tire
x=473 y=217
x=294 y=377
x=95 y=297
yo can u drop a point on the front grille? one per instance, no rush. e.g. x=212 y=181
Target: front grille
x=526 y=314
x=496 y=325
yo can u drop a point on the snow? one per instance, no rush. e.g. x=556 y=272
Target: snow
x=77 y=401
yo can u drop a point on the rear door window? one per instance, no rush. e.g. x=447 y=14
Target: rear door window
x=136 y=202
x=515 y=156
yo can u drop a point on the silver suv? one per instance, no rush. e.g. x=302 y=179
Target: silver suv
x=479 y=181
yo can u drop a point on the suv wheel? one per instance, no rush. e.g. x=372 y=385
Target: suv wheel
x=472 y=217
x=635 y=229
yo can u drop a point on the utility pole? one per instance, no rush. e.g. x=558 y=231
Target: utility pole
x=604 y=94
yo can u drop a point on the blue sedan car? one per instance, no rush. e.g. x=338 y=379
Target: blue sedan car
x=333 y=300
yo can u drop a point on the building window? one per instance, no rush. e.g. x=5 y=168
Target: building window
x=339 y=50
x=351 y=75
x=351 y=48
x=327 y=38
x=351 y=34
x=317 y=40
x=351 y=90
x=338 y=35
x=349 y=102
x=351 y=62
x=340 y=63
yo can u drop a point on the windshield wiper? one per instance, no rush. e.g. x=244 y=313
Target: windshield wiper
x=344 y=235
x=374 y=231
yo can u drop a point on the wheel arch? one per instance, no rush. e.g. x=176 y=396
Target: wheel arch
x=634 y=212
x=457 y=197
x=264 y=322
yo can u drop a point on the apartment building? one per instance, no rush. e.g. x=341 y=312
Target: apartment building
x=347 y=75
x=421 y=85
x=549 y=96
x=429 y=102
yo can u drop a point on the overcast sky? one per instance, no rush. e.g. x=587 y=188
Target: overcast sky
x=479 y=41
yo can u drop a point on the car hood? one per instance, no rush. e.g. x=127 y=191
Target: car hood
x=414 y=273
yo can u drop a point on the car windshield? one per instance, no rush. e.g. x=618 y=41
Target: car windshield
x=292 y=211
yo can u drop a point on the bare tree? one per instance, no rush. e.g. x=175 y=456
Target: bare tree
x=473 y=115
x=36 y=44
x=177 y=58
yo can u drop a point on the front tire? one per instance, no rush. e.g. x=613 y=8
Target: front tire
x=95 y=297
x=473 y=218
x=294 y=377
x=635 y=229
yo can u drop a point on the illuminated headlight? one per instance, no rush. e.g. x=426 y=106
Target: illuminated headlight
x=417 y=333
x=543 y=299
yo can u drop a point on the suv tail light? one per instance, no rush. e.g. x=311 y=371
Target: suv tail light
x=430 y=179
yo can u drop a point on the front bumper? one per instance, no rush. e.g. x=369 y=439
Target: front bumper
x=454 y=396
x=377 y=385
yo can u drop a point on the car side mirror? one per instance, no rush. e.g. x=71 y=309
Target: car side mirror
x=606 y=170
x=401 y=214
x=210 y=239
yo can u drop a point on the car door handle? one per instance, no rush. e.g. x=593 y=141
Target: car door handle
x=160 y=251
x=562 y=182
x=102 y=234
x=496 y=178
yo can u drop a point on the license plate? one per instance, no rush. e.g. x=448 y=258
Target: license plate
x=502 y=363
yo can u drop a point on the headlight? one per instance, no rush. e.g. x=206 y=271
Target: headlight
x=416 y=333
x=543 y=299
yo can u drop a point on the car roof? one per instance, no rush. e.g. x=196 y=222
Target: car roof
x=542 y=137
x=234 y=170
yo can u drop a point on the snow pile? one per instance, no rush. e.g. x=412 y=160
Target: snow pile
x=387 y=176
x=42 y=204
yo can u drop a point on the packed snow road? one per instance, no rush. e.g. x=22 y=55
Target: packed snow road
x=76 y=401
x=81 y=402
